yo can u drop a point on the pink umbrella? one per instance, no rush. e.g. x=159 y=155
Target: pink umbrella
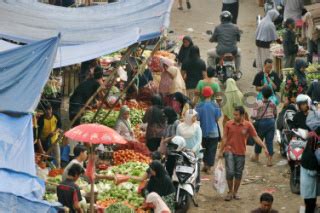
x=95 y=134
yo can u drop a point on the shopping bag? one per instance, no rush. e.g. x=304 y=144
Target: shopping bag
x=219 y=181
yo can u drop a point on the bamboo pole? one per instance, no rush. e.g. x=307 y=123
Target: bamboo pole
x=141 y=70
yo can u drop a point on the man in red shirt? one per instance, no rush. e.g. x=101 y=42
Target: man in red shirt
x=233 y=148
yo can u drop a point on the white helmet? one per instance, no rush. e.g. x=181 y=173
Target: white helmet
x=180 y=142
x=304 y=99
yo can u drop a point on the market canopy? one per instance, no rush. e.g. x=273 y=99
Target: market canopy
x=24 y=72
x=86 y=32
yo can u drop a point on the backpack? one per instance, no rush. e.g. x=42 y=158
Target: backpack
x=313 y=119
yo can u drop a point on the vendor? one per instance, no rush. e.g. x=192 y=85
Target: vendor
x=84 y=92
x=87 y=69
x=68 y=191
x=161 y=184
x=298 y=81
x=123 y=124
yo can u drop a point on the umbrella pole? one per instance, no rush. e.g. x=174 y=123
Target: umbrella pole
x=92 y=186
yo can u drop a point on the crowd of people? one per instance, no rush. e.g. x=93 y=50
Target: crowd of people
x=188 y=105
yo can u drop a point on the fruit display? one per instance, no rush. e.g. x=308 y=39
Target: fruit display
x=55 y=172
x=155 y=64
x=124 y=156
x=137 y=147
x=313 y=68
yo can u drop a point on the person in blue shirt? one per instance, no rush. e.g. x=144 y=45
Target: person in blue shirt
x=209 y=114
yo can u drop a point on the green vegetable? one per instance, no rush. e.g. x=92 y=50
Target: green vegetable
x=118 y=207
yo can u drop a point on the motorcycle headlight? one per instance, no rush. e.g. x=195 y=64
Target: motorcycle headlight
x=183 y=177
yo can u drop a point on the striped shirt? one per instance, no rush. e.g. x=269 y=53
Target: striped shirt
x=261 y=107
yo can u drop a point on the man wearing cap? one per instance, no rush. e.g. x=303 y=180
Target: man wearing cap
x=209 y=114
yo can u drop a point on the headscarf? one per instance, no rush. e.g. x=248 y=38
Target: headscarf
x=188 y=127
x=266 y=30
x=161 y=182
x=165 y=61
x=123 y=110
x=301 y=75
x=156 y=200
x=234 y=97
x=184 y=51
x=171 y=115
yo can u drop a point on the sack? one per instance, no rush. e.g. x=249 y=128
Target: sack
x=313 y=119
x=219 y=181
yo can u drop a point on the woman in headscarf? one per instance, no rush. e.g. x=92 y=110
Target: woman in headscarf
x=166 y=77
x=155 y=119
x=194 y=70
x=297 y=81
x=161 y=184
x=265 y=34
x=181 y=103
x=123 y=124
x=191 y=131
x=184 y=49
x=156 y=203
x=233 y=98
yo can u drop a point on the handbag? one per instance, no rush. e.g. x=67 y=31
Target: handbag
x=250 y=141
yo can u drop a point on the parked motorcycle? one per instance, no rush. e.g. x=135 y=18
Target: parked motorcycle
x=295 y=149
x=186 y=175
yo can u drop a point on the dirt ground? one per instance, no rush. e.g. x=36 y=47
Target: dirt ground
x=203 y=16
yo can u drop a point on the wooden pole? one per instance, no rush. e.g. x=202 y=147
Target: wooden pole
x=141 y=69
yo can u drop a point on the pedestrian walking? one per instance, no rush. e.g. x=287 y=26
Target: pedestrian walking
x=209 y=114
x=233 y=148
x=233 y=7
x=264 y=115
x=184 y=51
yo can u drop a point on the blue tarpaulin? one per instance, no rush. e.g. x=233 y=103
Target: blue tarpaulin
x=23 y=73
x=16 y=143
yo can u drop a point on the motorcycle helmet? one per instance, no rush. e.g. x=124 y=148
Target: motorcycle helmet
x=225 y=17
x=180 y=143
x=303 y=99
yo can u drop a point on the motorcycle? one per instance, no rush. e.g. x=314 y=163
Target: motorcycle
x=186 y=177
x=296 y=147
x=283 y=135
x=226 y=68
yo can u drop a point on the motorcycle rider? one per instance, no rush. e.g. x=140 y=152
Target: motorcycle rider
x=304 y=105
x=226 y=35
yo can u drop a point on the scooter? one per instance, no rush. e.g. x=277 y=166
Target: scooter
x=186 y=178
x=295 y=149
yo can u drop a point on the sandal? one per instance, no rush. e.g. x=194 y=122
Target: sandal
x=188 y=5
x=236 y=197
x=228 y=197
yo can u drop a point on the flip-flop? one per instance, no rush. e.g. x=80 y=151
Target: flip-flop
x=228 y=197
x=188 y=5
x=236 y=197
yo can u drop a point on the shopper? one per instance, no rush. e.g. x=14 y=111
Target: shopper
x=313 y=37
x=209 y=114
x=161 y=184
x=155 y=120
x=156 y=203
x=265 y=34
x=314 y=91
x=49 y=128
x=184 y=51
x=264 y=114
x=233 y=98
x=233 y=148
x=266 y=201
x=293 y=9
x=267 y=78
x=233 y=7
x=166 y=78
x=297 y=81
x=68 y=191
x=181 y=103
x=210 y=81
x=290 y=47
x=194 y=70
x=191 y=131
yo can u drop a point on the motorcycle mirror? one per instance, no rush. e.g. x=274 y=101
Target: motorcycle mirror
x=209 y=32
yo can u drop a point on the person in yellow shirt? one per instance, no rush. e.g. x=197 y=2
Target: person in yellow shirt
x=49 y=128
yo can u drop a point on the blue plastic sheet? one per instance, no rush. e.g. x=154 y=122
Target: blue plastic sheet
x=24 y=72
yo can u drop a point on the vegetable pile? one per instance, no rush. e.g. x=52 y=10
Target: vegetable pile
x=132 y=169
x=119 y=207
x=124 y=156
x=137 y=147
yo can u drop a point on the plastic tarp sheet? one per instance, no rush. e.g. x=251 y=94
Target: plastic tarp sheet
x=27 y=19
x=24 y=72
x=72 y=54
x=17 y=204
x=16 y=143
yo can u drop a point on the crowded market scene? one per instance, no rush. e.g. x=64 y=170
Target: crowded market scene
x=160 y=106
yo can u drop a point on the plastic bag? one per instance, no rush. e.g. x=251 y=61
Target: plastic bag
x=219 y=181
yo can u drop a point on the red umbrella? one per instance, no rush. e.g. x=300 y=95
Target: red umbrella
x=95 y=134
